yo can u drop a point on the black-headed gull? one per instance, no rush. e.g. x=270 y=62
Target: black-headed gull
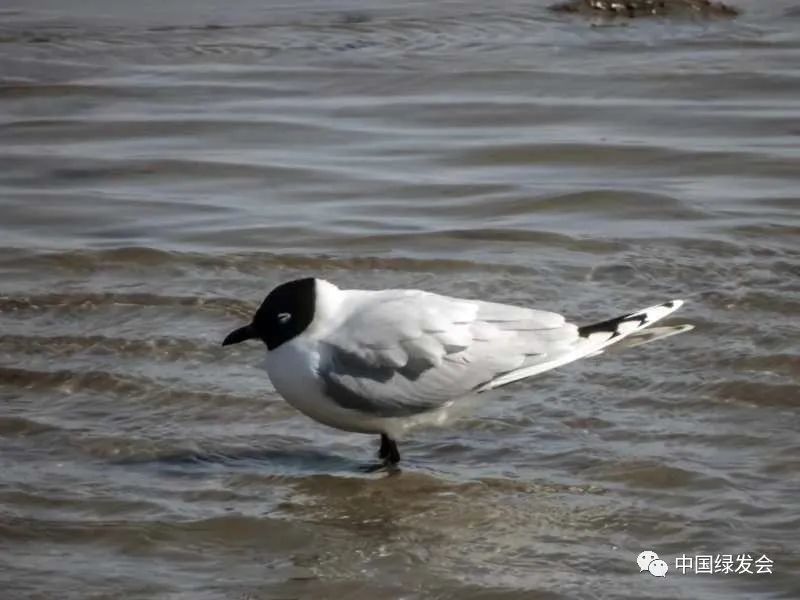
x=383 y=361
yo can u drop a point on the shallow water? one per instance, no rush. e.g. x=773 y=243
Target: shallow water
x=166 y=163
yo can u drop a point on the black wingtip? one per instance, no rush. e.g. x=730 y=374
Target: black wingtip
x=612 y=325
x=642 y=318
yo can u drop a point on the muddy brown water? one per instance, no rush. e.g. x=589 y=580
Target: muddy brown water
x=164 y=164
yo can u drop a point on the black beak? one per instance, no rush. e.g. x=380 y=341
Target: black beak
x=239 y=335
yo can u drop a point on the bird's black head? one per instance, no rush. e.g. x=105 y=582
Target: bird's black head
x=285 y=313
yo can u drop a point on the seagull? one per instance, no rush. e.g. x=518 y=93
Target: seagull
x=383 y=361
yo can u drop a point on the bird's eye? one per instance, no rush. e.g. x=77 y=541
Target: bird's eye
x=284 y=317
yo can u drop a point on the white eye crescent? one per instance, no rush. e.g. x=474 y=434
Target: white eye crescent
x=284 y=317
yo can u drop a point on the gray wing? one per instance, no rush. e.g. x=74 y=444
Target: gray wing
x=402 y=352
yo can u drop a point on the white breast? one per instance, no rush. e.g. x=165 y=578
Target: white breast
x=293 y=367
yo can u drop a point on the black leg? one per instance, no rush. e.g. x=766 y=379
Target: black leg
x=388 y=453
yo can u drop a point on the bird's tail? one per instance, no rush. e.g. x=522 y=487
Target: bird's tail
x=625 y=331
x=628 y=330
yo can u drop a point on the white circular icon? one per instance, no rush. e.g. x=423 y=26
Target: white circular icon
x=645 y=558
x=658 y=568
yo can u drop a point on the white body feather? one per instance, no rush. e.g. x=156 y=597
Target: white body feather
x=384 y=361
